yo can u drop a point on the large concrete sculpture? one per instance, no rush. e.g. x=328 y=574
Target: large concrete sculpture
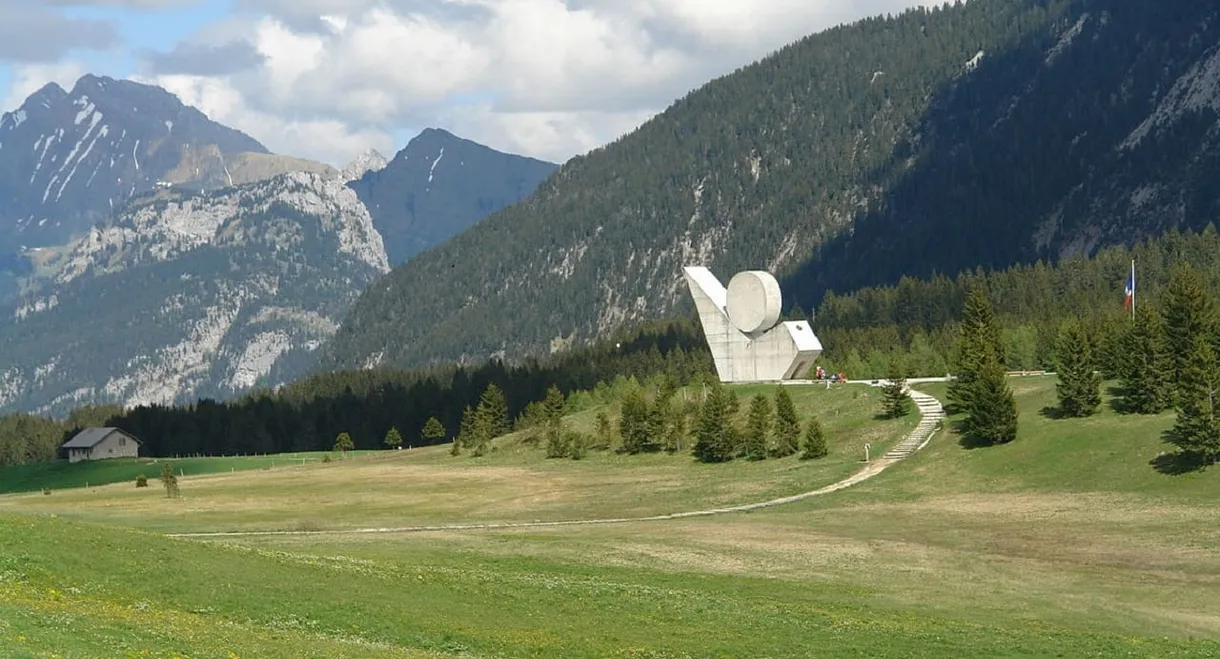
x=740 y=325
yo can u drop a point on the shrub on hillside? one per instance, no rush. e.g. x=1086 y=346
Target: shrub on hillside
x=141 y=481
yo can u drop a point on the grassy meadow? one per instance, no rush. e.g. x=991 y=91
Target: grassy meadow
x=63 y=474
x=1068 y=542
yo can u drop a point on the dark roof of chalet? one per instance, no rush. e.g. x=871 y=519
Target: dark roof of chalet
x=90 y=437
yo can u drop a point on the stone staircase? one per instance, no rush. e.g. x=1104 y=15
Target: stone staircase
x=931 y=416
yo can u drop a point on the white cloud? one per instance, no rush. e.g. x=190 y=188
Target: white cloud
x=29 y=78
x=330 y=140
x=548 y=78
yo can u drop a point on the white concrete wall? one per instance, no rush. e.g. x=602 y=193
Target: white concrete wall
x=771 y=354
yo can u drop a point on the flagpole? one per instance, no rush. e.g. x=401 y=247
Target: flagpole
x=1132 y=290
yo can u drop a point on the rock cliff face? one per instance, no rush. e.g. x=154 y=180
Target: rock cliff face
x=189 y=293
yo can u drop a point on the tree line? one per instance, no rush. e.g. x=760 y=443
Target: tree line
x=652 y=418
x=309 y=414
x=1167 y=358
x=916 y=327
x=918 y=321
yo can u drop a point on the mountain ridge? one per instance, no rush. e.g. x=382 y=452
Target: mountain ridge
x=440 y=184
x=192 y=294
x=936 y=140
x=68 y=159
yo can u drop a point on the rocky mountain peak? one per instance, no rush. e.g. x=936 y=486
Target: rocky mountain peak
x=369 y=161
x=67 y=159
x=440 y=184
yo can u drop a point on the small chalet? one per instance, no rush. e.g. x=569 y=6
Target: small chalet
x=100 y=444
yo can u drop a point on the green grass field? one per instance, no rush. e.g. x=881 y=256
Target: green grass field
x=61 y=474
x=1065 y=543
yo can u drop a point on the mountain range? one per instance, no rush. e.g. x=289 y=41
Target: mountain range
x=938 y=140
x=190 y=261
x=976 y=134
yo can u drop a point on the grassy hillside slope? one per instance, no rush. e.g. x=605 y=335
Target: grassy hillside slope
x=513 y=483
x=1066 y=542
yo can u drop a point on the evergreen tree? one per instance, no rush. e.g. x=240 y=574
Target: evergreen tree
x=466 y=431
x=758 y=428
x=605 y=432
x=494 y=408
x=577 y=445
x=815 y=441
x=734 y=438
x=633 y=420
x=1189 y=314
x=557 y=445
x=660 y=415
x=393 y=438
x=894 y=397
x=553 y=404
x=1148 y=367
x=433 y=431
x=675 y=433
x=1197 y=429
x=1079 y=386
x=787 y=425
x=343 y=443
x=169 y=480
x=714 y=437
x=980 y=343
x=991 y=416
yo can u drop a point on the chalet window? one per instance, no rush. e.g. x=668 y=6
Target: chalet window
x=122 y=441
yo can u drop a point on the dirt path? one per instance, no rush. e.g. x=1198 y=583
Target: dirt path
x=931 y=416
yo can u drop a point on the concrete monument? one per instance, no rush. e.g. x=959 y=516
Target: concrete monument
x=740 y=325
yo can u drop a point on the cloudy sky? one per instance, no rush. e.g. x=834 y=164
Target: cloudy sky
x=327 y=79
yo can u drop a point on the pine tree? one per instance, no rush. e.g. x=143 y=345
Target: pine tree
x=169 y=480
x=1079 y=386
x=815 y=441
x=466 y=430
x=1197 y=429
x=979 y=344
x=393 y=438
x=633 y=420
x=495 y=410
x=787 y=425
x=1148 y=366
x=557 y=445
x=894 y=397
x=605 y=432
x=675 y=433
x=1189 y=314
x=758 y=428
x=714 y=440
x=577 y=444
x=991 y=416
x=343 y=443
x=433 y=431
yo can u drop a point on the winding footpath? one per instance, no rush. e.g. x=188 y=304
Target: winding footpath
x=932 y=416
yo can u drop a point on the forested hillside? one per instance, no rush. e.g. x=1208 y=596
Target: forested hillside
x=310 y=413
x=987 y=133
x=913 y=325
x=917 y=319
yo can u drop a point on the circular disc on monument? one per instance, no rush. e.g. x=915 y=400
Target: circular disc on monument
x=753 y=302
